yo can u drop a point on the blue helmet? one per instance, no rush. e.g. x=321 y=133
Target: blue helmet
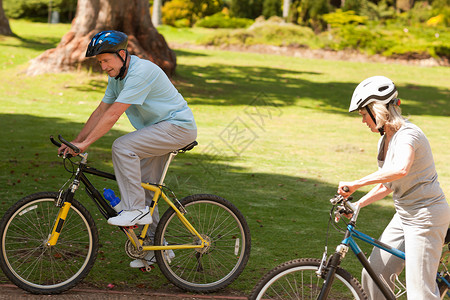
x=108 y=41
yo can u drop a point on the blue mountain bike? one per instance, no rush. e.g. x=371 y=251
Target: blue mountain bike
x=309 y=278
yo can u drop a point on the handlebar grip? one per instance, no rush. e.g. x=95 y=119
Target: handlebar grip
x=345 y=189
x=54 y=142
x=68 y=144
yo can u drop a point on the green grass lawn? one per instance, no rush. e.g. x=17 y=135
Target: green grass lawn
x=274 y=138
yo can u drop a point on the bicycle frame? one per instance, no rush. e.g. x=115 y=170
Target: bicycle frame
x=349 y=242
x=65 y=203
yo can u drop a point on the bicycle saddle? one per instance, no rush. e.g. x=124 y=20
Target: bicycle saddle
x=188 y=147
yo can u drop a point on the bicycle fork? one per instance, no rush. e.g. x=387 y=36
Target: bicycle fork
x=59 y=223
x=64 y=202
x=330 y=269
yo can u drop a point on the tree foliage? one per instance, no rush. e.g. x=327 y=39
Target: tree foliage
x=250 y=9
x=38 y=9
x=271 y=8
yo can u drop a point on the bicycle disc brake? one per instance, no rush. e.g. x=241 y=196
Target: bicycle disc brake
x=133 y=253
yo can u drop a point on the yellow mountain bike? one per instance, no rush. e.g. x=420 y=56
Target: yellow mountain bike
x=49 y=240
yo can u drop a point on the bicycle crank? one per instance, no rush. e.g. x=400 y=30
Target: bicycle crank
x=134 y=253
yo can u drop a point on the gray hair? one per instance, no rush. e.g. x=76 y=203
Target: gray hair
x=388 y=116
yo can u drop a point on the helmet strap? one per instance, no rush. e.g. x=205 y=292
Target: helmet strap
x=381 y=129
x=124 y=66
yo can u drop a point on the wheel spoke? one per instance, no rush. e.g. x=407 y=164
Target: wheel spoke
x=215 y=265
x=30 y=262
x=297 y=279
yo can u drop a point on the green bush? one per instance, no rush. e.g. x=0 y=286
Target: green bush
x=283 y=34
x=186 y=12
x=354 y=5
x=182 y=23
x=220 y=20
x=443 y=50
x=310 y=13
x=357 y=38
x=413 y=42
x=177 y=10
x=420 y=13
x=445 y=13
x=268 y=33
x=381 y=11
x=340 y=18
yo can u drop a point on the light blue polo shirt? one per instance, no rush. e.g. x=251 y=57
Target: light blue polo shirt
x=152 y=96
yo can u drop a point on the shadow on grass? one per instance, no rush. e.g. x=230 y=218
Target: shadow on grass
x=188 y=53
x=93 y=84
x=38 y=43
x=220 y=84
x=287 y=215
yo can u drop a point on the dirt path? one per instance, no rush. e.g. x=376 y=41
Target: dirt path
x=10 y=291
x=346 y=55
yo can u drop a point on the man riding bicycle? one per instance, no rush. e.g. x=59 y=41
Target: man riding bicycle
x=159 y=113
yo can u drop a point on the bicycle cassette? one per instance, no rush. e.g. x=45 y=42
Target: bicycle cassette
x=133 y=253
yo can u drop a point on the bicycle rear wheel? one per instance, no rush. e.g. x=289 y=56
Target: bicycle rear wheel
x=211 y=268
x=32 y=265
x=297 y=279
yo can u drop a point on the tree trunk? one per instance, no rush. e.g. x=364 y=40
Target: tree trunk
x=4 y=23
x=156 y=15
x=286 y=7
x=131 y=17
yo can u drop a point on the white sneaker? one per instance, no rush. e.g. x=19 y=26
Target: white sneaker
x=151 y=259
x=169 y=254
x=132 y=217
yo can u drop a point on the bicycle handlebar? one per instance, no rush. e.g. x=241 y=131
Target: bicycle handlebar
x=54 y=142
x=68 y=144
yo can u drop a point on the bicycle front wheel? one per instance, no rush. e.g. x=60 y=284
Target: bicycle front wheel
x=25 y=257
x=210 y=268
x=297 y=279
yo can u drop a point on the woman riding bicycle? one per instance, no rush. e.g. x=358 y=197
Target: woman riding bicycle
x=406 y=168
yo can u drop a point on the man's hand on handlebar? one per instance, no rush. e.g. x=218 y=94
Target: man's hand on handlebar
x=68 y=149
x=65 y=150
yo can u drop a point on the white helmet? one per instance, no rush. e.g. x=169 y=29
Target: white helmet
x=372 y=89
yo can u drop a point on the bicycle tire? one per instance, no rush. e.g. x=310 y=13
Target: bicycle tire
x=212 y=268
x=288 y=281
x=26 y=259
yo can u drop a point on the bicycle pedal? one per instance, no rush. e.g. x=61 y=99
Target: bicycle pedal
x=144 y=269
x=130 y=227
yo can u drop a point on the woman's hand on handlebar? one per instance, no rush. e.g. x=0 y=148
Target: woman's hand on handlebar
x=345 y=188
